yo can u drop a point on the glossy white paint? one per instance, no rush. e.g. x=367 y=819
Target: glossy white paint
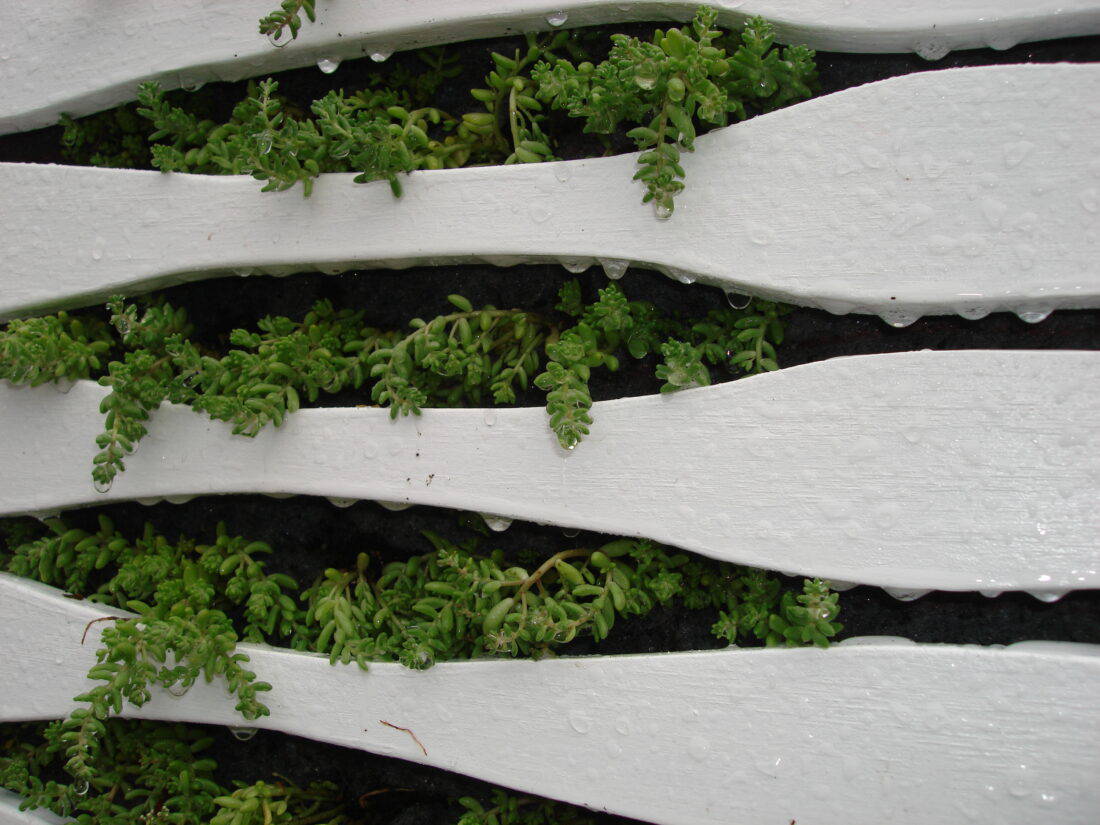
x=79 y=57
x=968 y=470
x=958 y=191
x=11 y=815
x=862 y=734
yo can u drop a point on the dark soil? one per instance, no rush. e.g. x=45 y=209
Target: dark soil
x=310 y=534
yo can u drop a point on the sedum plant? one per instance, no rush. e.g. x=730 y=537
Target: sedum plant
x=152 y=773
x=679 y=78
x=668 y=88
x=195 y=601
x=469 y=356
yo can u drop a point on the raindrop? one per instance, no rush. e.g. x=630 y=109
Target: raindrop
x=80 y=787
x=328 y=65
x=490 y=418
x=840 y=586
x=97 y=248
x=279 y=38
x=340 y=152
x=336 y=501
x=1047 y=596
x=243 y=272
x=698 y=749
x=904 y=594
x=579 y=722
x=562 y=172
x=102 y=486
x=243 y=734
x=973 y=312
x=498 y=524
x=576 y=265
x=663 y=211
x=64 y=385
x=395 y=506
x=646 y=76
x=264 y=141
x=738 y=300
x=898 y=317
x=191 y=84
x=991 y=594
x=380 y=55
x=1001 y=41
x=178 y=689
x=932 y=49
x=570 y=533
x=557 y=19
x=1034 y=316
x=614 y=268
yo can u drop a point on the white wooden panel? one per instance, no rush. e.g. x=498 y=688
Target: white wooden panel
x=880 y=731
x=81 y=56
x=965 y=470
x=965 y=190
x=11 y=815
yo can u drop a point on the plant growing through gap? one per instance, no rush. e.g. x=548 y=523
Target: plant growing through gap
x=152 y=772
x=193 y=602
x=469 y=356
x=681 y=79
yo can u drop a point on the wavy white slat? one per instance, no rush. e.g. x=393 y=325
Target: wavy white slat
x=965 y=190
x=80 y=57
x=967 y=470
x=873 y=732
x=11 y=815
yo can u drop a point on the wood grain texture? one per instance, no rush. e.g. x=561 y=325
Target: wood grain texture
x=965 y=470
x=80 y=56
x=867 y=733
x=965 y=190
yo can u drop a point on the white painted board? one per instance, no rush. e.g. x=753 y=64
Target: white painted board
x=969 y=470
x=959 y=191
x=867 y=733
x=79 y=56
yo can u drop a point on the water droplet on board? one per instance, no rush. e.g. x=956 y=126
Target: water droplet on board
x=342 y=503
x=539 y=213
x=613 y=748
x=973 y=312
x=991 y=594
x=98 y=245
x=905 y=594
x=1001 y=41
x=614 y=268
x=662 y=211
x=102 y=486
x=1016 y=152
x=1047 y=596
x=562 y=171
x=738 y=300
x=557 y=19
x=622 y=726
x=898 y=317
x=498 y=524
x=328 y=65
x=1017 y=786
x=698 y=748
x=932 y=48
x=243 y=734
x=1090 y=200
x=380 y=54
x=395 y=506
x=490 y=418
x=579 y=722
x=681 y=275
x=178 y=689
x=190 y=84
x=576 y=265
x=1035 y=315
x=243 y=272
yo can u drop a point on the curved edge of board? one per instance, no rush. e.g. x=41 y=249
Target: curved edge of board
x=1010 y=732
x=974 y=209
x=898 y=470
x=106 y=55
